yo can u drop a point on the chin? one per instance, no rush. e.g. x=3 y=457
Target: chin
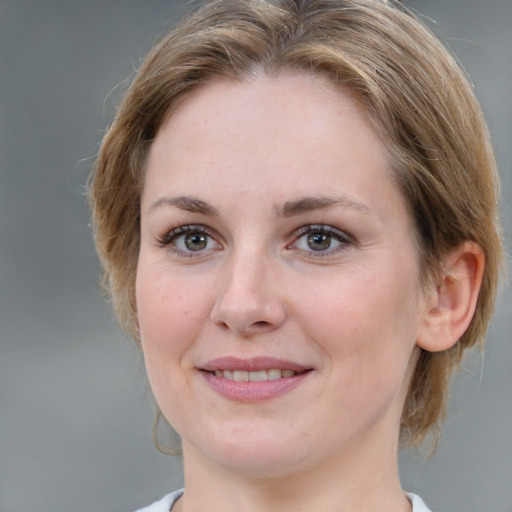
x=256 y=455
x=261 y=466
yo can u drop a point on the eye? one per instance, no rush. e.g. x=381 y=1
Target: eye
x=189 y=239
x=320 y=239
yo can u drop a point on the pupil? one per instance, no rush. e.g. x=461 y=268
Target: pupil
x=195 y=241
x=319 y=241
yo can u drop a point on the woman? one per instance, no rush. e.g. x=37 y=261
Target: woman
x=295 y=208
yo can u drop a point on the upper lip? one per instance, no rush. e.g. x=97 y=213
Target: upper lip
x=252 y=364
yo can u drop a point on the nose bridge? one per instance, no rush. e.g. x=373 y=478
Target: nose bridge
x=247 y=301
x=245 y=272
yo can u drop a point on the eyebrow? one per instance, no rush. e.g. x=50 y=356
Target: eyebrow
x=308 y=204
x=288 y=209
x=188 y=204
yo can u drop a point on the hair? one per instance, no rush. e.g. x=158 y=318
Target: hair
x=418 y=99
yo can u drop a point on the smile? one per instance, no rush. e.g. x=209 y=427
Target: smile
x=254 y=376
x=253 y=380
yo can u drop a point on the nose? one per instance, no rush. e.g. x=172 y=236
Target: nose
x=250 y=300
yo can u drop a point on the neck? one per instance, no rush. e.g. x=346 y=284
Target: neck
x=365 y=480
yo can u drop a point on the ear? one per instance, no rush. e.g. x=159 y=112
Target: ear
x=451 y=305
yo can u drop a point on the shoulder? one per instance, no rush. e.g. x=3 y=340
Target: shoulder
x=165 y=504
x=417 y=503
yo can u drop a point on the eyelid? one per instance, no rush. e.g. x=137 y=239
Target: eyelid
x=324 y=228
x=166 y=239
x=341 y=236
x=171 y=234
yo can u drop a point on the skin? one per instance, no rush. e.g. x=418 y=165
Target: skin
x=352 y=314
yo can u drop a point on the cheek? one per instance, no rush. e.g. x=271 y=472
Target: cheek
x=170 y=312
x=365 y=321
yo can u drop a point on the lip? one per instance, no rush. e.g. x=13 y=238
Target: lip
x=251 y=392
x=251 y=365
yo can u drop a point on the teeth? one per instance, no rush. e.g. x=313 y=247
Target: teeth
x=273 y=374
x=257 y=376
x=241 y=376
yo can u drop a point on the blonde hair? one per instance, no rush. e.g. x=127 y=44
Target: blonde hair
x=418 y=99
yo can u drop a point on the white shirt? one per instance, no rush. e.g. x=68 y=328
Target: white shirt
x=165 y=504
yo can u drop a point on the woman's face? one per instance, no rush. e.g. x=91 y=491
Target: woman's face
x=277 y=285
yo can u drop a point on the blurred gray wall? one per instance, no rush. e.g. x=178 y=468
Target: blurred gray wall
x=75 y=412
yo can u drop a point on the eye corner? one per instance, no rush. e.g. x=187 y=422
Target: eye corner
x=189 y=240
x=320 y=240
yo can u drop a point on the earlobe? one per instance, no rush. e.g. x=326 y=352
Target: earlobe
x=451 y=306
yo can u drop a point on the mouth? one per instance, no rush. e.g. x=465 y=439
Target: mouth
x=252 y=380
x=255 y=376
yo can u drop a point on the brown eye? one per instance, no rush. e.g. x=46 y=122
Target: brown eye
x=319 y=241
x=190 y=240
x=196 y=241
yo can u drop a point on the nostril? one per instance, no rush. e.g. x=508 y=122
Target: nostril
x=261 y=323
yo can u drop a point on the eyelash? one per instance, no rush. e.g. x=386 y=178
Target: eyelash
x=168 y=239
x=343 y=238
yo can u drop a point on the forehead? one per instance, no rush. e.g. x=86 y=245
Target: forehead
x=289 y=109
x=293 y=134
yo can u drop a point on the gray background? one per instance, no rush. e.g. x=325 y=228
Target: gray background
x=75 y=411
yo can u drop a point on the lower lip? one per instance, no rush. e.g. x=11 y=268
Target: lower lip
x=259 y=391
